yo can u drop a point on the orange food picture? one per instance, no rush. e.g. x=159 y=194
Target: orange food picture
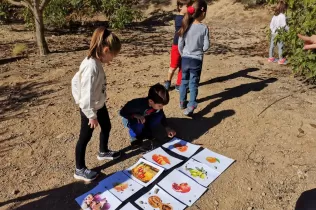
x=212 y=160
x=160 y=159
x=120 y=187
x=180 y=147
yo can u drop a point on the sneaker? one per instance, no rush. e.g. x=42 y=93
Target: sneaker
x=167 y=85
x=189 y=111
x=183 y=105
x=272 y=60
x=147 y=147
x=108 y=155
x=85 y=174
x=177 y=88
x=282 y=61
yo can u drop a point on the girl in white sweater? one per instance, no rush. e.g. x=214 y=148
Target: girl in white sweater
x=278 y=21
x=88 y=90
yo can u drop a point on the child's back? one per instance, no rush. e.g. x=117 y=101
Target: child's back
x=277 y=22
x=195 y=41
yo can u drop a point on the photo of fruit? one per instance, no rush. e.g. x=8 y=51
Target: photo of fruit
x=181 y=147
x=160 y=159
x=154 y=201
x=144 y=172
x=197 y=172
x=182 y=188
x=120 y=187
x=212 y=160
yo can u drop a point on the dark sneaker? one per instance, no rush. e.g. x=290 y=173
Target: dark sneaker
x=167 y=84
x=85 y=174
x=183 y=104
x=108 y=155
x=189 y=111
x=147 y=147
x=177 y=88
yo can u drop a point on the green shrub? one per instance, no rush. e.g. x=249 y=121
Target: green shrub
x=19 y=49
x=301 y=19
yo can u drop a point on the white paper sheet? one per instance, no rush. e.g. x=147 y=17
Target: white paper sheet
x=161 y=158
x=215 y=161
x=129 y=206
x=120 y=185
x=181 y=147
x=182 y=187
x=156 y=198
x=144 y=172
x=98 y=198
x=199 y=172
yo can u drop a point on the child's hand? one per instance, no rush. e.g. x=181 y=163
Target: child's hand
x=93 y=123
x=141 y=119
x=171 y=133
x=309 y=42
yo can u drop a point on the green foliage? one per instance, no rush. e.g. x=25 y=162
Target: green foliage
x=4 y=8
x=301 y=19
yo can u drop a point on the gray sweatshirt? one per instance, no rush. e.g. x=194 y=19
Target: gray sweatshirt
x=88 y=87
x=194 y=42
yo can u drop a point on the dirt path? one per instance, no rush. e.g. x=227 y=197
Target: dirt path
x=39 y=122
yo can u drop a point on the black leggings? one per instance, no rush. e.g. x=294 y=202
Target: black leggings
x=86 y=134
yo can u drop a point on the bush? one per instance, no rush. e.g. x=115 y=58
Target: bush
x=301 y=19
x=4 y=15
x=19 y=49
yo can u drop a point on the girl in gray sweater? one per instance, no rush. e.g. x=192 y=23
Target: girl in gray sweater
x=193 y=42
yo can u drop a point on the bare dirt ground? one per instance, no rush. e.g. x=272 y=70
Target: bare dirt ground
x=274 y=150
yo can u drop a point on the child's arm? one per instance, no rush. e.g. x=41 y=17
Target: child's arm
x=181 y=45
x=206 y=44
x=130 y=109
x=87 y=100
x=171 y=133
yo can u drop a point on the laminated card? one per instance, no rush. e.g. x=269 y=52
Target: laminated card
x=161 y=158
x=199 y=172
x=182 y=187
x=158 y=199
x=98 y=198
x=144 y=172
x=129 y=206
x=120 y=185
x=181 y=147
x=215 y=161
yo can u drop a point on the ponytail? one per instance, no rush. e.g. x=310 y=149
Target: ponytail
x=102 y=37
x=195 y=11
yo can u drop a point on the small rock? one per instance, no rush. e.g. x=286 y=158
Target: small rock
x=282 y=182
x=60 y=136
x=15 y=192
x=216 y=203
x=263 y=194
x=249 y=188
x=250 y=208
x=33 y=173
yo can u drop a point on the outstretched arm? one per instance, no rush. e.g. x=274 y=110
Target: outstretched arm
x=309 y=42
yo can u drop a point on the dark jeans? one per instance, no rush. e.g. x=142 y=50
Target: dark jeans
x=138 y=131
x=191 y=72
x=86 y=134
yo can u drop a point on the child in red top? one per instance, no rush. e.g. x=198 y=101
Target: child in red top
x=175 y=57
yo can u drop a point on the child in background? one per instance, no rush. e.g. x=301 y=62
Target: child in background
x=193 y=42
x=142 y=114
x=278 y=21
x=175 y=58
x=88 y=90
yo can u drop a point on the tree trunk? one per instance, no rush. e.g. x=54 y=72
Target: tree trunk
x=39 y=26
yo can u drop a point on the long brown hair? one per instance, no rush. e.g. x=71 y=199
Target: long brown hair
x=181 y=3
x=200 y=6
x=281 y=8
x=102 y=37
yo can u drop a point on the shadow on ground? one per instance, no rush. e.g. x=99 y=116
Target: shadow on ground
x=307 y=200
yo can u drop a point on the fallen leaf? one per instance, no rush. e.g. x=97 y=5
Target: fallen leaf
x=313 y=125
x=301 y=130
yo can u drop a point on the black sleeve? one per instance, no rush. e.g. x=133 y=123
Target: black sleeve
x=164 y=120
x=131 y=108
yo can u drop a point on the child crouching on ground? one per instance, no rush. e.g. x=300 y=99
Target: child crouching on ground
x=141 y=115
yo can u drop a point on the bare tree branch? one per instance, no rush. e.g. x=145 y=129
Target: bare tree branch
x=44 y=4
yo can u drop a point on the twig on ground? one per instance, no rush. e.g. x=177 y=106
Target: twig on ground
x=275 y=103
